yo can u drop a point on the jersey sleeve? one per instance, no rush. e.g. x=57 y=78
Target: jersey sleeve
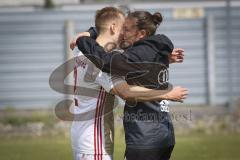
x=108 y=82
x=76 y=52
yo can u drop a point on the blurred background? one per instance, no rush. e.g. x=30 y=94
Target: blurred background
x=34 y=40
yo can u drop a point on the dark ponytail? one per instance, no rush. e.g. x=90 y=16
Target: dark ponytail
x=147 y=21
x=157 y=18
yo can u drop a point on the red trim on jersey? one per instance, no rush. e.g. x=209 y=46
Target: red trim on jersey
x=96 y=124
x=75 y=85
x=98 y=120
x=101 y=112
x=76 y=102
x=75 y=79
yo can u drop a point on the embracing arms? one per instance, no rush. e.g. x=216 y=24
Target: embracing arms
x=141 y=94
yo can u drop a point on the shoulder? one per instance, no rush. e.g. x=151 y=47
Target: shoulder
x=141 y=52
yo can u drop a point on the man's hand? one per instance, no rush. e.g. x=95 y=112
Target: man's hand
x=177 y=94
x=73 y=42
x=176 y=56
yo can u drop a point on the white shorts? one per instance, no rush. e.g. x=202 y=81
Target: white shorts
x=81 y=156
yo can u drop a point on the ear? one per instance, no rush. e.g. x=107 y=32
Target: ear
x=112 y=28
x=142 y=34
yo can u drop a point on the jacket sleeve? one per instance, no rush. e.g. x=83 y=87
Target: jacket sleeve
x=93 y=32
x=115 y=62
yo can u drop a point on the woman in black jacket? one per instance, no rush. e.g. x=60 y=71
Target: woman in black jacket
x=148 y=127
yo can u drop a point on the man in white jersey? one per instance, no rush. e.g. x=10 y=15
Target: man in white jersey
x=92 y=132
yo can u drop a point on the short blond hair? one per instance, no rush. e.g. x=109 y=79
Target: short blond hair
x=105 y=15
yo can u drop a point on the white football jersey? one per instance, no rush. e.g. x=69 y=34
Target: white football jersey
x=92 y=129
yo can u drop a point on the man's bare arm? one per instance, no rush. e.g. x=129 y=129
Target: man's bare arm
x=141 y=94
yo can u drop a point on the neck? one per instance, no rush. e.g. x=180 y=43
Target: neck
x=103 y=40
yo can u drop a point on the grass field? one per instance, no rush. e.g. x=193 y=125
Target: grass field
x=189 y=147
